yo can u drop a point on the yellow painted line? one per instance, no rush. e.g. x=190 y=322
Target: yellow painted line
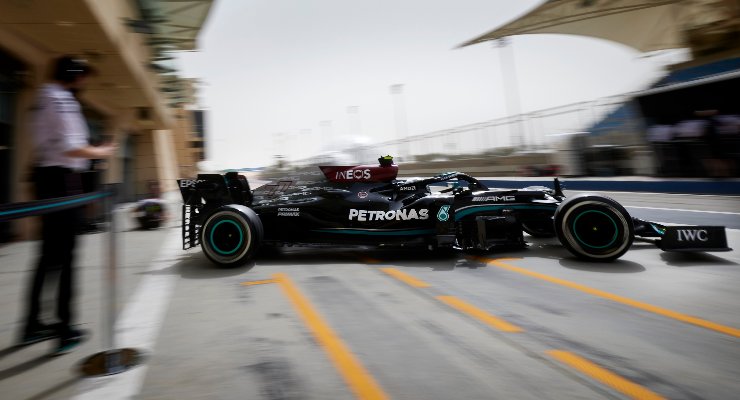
x=263 y=282
x=479 y=314
x=370 y=260
x=405 y=278
x=614 y=381
x=727 y=330
x=358 y=379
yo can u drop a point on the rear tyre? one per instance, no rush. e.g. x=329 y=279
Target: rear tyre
x=594 y=227
x=231 y=235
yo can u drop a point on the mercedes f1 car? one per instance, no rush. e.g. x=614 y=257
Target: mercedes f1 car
x=368 y=205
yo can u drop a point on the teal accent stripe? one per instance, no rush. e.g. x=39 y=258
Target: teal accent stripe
x=377 y=233
x=53 y=205
x=241 y=237
x=660 y=232
x=479 y=209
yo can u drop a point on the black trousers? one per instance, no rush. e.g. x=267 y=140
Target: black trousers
x=58 y=237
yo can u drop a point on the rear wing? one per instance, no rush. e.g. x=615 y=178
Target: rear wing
x=206 y=193
x=229 y=188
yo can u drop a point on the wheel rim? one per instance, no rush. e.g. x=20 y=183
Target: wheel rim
x=226 y=232
x=613 y=228
x=227 y=237
x=601 y=229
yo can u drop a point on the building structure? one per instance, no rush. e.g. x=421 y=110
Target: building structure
x=136 y=97
x=708 y=29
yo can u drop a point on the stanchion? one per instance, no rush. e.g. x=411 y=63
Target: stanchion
x=113 y=360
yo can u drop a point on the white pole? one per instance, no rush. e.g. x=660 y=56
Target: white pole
x=513 y=104
x=399 y=111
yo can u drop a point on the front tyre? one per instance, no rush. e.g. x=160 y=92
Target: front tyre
x=594 y=227
x=231 y=235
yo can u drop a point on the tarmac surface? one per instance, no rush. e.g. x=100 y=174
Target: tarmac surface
x=303 y=323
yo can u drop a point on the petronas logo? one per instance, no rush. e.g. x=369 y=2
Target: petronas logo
x=443 y=214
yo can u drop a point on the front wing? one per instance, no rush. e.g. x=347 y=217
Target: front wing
x=693 y=238
x=684 y=238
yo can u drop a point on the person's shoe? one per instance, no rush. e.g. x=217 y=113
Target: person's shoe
x=71 y=339
x=38 y=334
x=72 y=333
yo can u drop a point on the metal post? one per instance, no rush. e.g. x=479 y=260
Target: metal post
x=113 y=360
x=110 y=283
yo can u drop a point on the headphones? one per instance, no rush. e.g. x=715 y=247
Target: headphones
x=68 y=69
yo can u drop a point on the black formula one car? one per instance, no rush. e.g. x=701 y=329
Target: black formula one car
x=368 y=205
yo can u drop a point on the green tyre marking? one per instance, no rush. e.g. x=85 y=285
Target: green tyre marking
x=241 y=238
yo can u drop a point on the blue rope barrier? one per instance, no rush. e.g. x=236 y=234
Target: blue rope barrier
x=39 y=207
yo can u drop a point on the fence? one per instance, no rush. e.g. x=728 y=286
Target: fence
x=532 y=131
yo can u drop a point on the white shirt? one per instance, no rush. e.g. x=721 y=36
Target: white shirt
x=58 y=127
x=660 y=133
x=693 y=128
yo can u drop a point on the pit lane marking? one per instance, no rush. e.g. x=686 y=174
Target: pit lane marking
x=682 y=210
x=727 y=330
x=139 y=324
x=604 y=376
x=658 y=193
x=262 y=282
x=355 y=375
x=596 y=372
x=477 y=313
x=405 y=278
x=456 y=303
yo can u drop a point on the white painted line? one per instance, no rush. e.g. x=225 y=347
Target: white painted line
x=683 y=210
x=653 y=193
x=138 y=325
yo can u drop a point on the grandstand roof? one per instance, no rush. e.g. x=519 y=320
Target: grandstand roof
x=646 y=25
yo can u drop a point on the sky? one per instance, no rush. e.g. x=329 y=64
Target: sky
x=273 y=70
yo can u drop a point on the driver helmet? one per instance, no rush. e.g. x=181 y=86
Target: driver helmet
x=385 y=161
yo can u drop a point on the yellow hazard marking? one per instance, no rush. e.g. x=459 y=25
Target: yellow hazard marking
x=614 y=381
x=262 y=282
x=727 y=330
x=357 y=378
x=479 y=314
x=405 y=278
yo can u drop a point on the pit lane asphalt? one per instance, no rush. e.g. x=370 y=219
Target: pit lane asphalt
x=583 y=329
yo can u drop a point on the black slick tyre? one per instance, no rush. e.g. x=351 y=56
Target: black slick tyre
x=231 y=235
x=594 y=227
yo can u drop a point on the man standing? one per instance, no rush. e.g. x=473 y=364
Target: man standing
x=60 y=136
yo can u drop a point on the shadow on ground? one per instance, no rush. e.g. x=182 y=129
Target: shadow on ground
x=613 y=267
x=694 y=259
x=22 y=366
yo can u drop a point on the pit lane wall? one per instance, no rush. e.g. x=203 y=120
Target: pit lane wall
x=725 y=187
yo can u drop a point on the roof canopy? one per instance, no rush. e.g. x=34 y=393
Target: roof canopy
x=177 y=22
x=646 y=25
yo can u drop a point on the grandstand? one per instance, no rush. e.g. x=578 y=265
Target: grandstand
x=709 y=29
